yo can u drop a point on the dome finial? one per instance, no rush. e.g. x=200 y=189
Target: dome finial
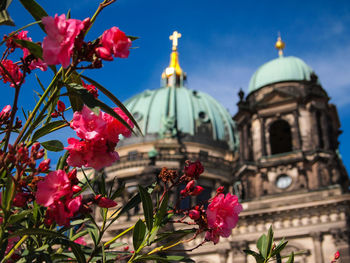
x=174 y=37
x=280 y=45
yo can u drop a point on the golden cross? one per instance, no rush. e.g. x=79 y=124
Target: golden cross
x=174 y=37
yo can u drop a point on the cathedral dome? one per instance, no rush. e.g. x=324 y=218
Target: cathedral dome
x=280 y=70
x=174 y=110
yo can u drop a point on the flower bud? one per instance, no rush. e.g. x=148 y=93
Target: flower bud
x=76 y=189
x=336 y=255
x=220 y=190
x=44 y=165
x=104 y=202
x=194 y=214
x=104 y=53
x=54 y=114
x=61 y=106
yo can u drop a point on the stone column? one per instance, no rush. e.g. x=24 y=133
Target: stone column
x=317 y=240
x=296 y=123
x=263 y=141
x=238 y=256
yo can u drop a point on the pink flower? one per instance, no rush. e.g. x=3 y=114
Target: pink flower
x=13 y=70
x=62 y=211
x=22 y=35
x=80 y=241
x=54 y=186
x=193 y=169
x=79 y=152
x=115 y=127
x=104 y=201
x=5 y=111
x=337 y=255
x=36 y=63
x=222 y=214
x=191 y=189
x=114 y=41
x=59 y=43
x=88 y=125
x=95 y=154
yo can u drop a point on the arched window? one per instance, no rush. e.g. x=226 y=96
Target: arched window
x=280 y=137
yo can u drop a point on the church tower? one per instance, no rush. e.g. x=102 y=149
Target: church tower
x=289 y=161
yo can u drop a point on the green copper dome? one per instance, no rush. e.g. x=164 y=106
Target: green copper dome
x=176 y=110
x=279 y=70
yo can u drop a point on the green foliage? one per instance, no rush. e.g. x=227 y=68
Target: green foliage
x=267 y=249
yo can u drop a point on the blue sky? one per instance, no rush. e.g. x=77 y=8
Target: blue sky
x=222 y=44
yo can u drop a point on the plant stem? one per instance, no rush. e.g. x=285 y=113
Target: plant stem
x=18 y=244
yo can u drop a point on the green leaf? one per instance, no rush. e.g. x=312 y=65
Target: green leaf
x=259 y=258
x=281 y=245
x=63 y=239
x=94 y=233
x=48 y=128
x=75 y=101
x=139 y=234
x=269 y=242
x=132 y=38
x=53 y=145
x=80 y=234
x=5 y=18
x=35 y=10
x=147 y=207
x=17 y=217
x=62 y=161
x=170 y=258
x=33 y=48
x=8 y=193
x=114 y=99
x=162 y=210
x=118 y=192
x=261 y=245
x=291 y=258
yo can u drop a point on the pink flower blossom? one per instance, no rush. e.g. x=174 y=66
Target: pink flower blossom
x=59 y=43
x=21 y=35
x=191 y=189
x=103 y=154
x=88 y=125
x=114 y=41
x=13 y=70
x=54 y=186
x=79 y=152
x=36 y=63
x=62 y=211
x=95 y=154
x=222 y=214
x=80 y=241
x=115 y=127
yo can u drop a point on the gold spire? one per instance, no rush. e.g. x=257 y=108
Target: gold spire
x=280 y=45
x=174 y=66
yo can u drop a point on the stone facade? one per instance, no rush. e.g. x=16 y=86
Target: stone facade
x=287 y=173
